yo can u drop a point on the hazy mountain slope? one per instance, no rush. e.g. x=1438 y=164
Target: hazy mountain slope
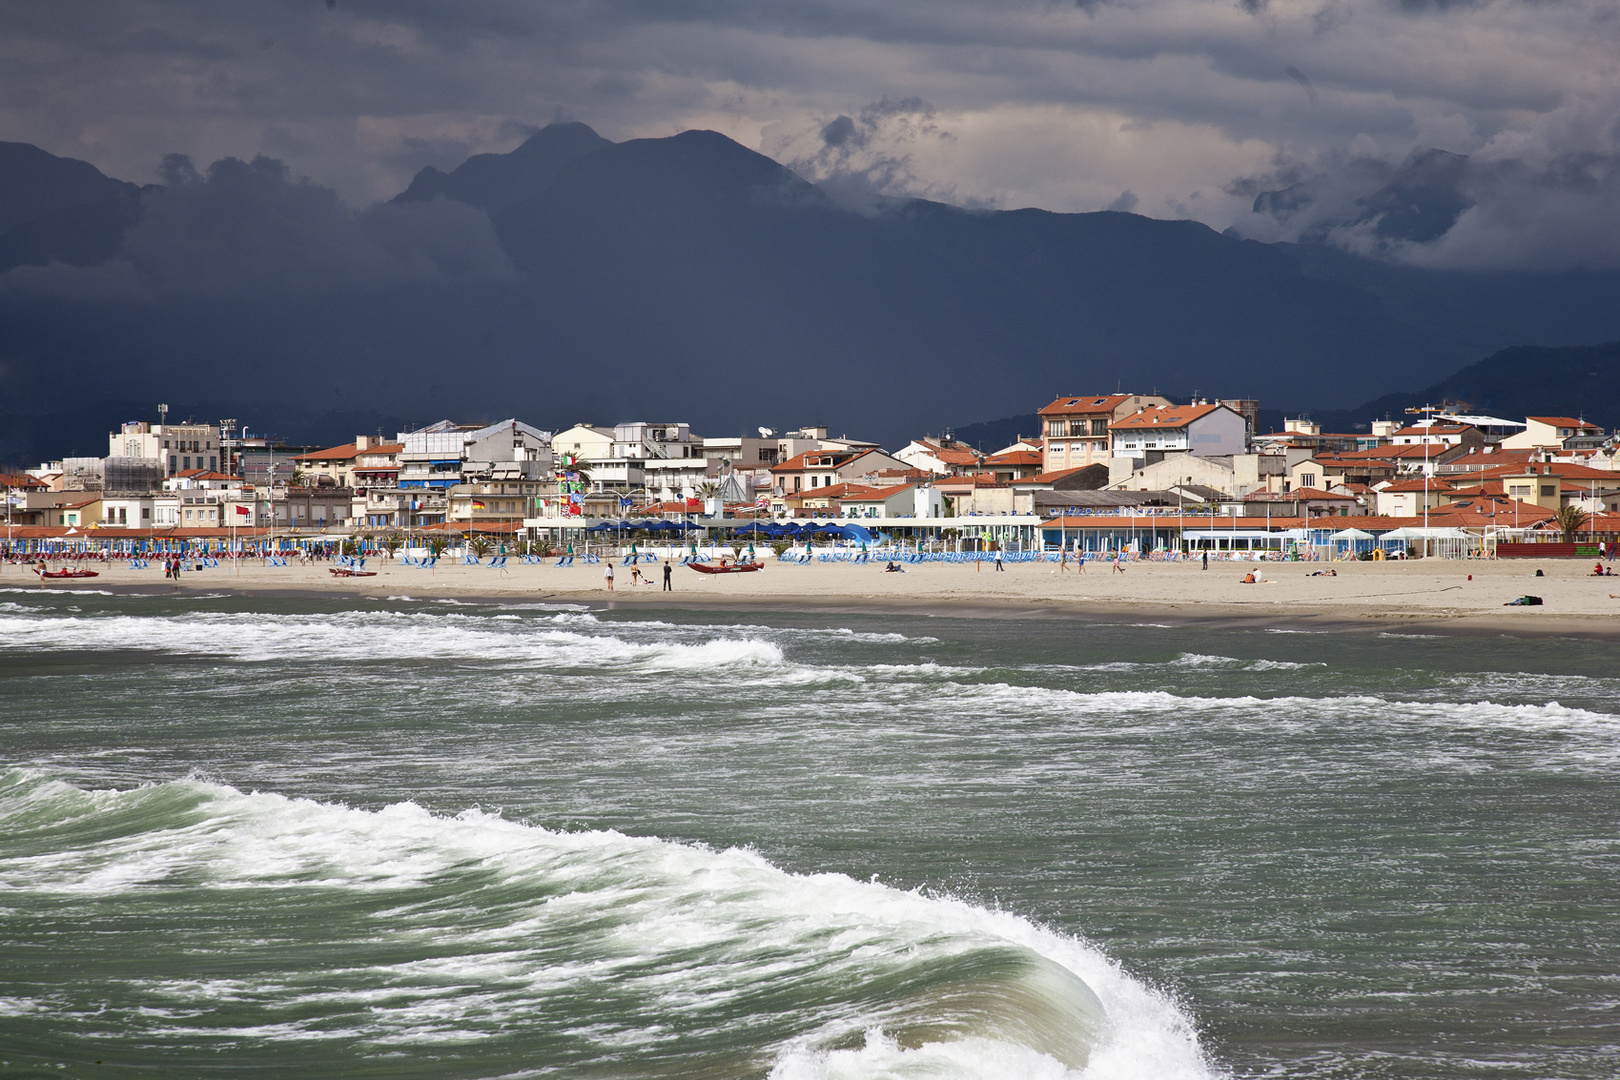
x=492 y=182
x=34 y=182
x=691 y=278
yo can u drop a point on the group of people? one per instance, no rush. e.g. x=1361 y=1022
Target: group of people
x=638 y=578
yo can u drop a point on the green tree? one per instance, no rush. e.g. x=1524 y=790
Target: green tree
x=1571 y=519
x=479 y=546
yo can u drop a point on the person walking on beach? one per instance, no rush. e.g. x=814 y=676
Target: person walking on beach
x=1206 y=560
x=1063 y=561
x=669 y=572
x=999 y=567
x=1119 y=563
x=608 y=576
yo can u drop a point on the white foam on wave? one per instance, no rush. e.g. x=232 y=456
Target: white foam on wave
x=56 y=590
x=677 y=928
x=1201 y=660
x=377 y=635
x=1361 y=709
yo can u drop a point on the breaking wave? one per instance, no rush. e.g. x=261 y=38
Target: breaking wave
x=373 y=931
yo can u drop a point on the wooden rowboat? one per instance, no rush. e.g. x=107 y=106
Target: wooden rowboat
x=727 y=567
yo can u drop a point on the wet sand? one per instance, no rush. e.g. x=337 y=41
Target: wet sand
x=1456 y=596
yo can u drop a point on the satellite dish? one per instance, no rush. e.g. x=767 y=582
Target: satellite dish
x=766 y=432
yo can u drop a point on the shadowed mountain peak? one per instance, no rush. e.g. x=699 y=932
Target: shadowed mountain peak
x=34 y=182
x=493 y=182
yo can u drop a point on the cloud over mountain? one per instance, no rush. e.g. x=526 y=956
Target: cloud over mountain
x=248 y=228
x=1066 y=106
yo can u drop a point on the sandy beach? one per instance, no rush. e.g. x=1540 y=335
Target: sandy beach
x=1463 y=596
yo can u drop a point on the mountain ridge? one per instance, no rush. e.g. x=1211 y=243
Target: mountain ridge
x=692 y=277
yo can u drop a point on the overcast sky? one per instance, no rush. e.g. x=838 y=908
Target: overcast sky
x=1170 y=108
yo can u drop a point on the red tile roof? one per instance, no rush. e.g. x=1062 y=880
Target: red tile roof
x=1071 y=406
x=1434 y=484
x=1159 y=416
x=1057 y=474
x=335 y=453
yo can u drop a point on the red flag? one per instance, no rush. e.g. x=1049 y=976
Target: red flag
x=242 y=511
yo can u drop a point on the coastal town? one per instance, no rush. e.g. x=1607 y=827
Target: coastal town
x=1115 y=476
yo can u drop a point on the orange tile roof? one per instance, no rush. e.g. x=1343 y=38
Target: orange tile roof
x=1437 y=429
x=335 y=453
x=1434 y=483
x=1159 y=416
x=1561 y=421
x=1069 y=406
x=1015 y=457
x=1057 y=474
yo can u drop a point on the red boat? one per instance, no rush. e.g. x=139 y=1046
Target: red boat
x=346 y=571
x=726 y=566
x=56 y=575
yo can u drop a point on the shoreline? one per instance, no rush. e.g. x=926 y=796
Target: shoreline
x=1425 y=596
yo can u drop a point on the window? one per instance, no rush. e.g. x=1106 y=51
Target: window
x=1549 y=489
x=1077 y=427
x=1099 y=427
x=1307 y=480
x=813 y=481
x=1055 y=429
x=173 y=463
x=146 y=513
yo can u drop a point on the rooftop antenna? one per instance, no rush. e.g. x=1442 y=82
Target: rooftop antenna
x=163 y=415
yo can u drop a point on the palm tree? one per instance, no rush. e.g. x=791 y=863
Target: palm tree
x=1571 y=519
x=479 y=545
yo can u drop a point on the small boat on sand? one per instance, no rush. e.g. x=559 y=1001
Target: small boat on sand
x=349 y=571
x=726 y=566
x=57 y=575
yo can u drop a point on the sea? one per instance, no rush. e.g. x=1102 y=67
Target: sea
x=424 y=838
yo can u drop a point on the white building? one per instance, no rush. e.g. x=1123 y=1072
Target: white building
x=445 y=454
x=1203 y=430
x=176 y=447
x=1548 y=431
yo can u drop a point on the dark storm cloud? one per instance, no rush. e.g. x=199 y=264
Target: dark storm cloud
x=1441 y=209
x=1063 y=105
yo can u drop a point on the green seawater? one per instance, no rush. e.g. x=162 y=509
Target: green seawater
x=399 y=838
